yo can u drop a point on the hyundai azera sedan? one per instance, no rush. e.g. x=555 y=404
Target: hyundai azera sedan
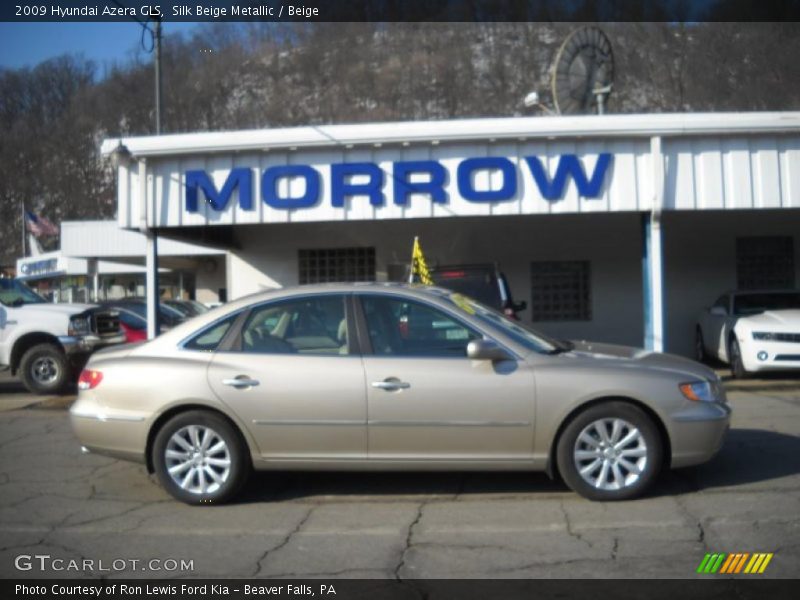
x=388 y=376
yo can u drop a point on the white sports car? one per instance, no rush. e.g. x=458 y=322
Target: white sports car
x=752 y=331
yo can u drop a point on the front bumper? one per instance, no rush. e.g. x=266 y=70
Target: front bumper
x=774 y=356
x=76 y=345
x=698 y=432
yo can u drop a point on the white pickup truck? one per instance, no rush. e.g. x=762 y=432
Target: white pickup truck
x=47 y=344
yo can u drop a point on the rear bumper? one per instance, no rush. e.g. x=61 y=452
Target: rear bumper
x=116 y=433
x=698 y=434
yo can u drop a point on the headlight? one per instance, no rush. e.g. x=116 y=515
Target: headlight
x=79 y=326
x=763 y=335
x=698 y=391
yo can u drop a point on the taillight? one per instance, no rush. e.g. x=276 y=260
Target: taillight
x=89 y=379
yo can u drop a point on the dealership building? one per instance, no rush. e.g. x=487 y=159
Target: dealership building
x=617 y=228
x=97 y=261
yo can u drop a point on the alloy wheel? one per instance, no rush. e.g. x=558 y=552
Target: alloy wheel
x=198 y=459
x=610 y=454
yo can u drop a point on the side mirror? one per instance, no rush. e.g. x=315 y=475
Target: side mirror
x=487 y=350
x=718 y=311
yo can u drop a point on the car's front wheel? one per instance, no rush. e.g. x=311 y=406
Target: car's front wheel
x=200 y=458
x=44 y=369
x=610 y=451
x=699 y=346
x=737 y=364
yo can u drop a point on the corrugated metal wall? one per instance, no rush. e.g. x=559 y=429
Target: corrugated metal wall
x=701 y=173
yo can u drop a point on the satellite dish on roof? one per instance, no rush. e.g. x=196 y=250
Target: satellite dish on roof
x=583 y=72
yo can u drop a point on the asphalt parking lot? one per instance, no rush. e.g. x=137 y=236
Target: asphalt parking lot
x=55 y=501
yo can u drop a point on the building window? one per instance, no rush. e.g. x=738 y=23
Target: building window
x=337 y=264
x=560 y=291
x=764 y=262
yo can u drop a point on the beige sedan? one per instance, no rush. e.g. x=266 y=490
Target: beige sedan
x=388 y=376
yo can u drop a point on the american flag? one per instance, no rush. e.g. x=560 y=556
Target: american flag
x=39 y=226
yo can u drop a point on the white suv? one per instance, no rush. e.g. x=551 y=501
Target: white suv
x=47 y=344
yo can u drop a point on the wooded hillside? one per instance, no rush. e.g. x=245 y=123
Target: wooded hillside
x=54 y=117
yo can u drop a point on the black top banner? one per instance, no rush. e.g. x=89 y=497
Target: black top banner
x=401 y=10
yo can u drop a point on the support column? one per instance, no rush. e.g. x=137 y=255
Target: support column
x=653 y=284
x=653 y=257
x=93 y=272
x=151 y=256
x=151 y=284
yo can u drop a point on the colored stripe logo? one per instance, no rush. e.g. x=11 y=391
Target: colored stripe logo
x=735 y=563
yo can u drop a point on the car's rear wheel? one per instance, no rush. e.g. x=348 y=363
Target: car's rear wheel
x=699 y=347
x=200 y=458
x=44 y=369
x=737 y=365
x=610 y=451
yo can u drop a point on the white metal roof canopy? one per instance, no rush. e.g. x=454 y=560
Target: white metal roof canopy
x=461 y=168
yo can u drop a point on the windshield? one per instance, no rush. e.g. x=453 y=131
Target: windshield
x=750 y=304
x=519 y=332
x=15 y=293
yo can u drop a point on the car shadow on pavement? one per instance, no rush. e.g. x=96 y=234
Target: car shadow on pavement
x=12 y=386
x=399 y=485
x=749 y=456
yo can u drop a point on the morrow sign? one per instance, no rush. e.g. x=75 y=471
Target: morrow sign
x=405 y=180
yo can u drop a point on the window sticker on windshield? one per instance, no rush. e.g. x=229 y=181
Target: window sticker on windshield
x=462 y=303
x=457 y=334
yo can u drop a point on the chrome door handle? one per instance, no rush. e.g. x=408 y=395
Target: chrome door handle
x=241 y=382
x=391 y=385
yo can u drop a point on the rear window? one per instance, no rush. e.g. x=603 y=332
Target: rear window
x=481 y=285
x=208 y=340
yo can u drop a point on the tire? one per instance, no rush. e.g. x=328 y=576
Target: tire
x=738 y=369
x=44 y=369
x=643 y=453
x=700 y=347
x=220 y=478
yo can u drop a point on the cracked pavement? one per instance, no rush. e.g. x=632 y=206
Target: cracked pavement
x=56 y=501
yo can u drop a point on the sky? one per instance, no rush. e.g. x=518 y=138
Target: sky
x=28 y=44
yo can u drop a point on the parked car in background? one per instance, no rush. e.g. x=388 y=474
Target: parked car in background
x=134 y=326
x=752 y=331
x=47 y=344
x=483 y=282
x=277 y=381
x=168 y=316
x=188 y=308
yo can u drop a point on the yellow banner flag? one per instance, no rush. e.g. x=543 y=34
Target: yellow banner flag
x=419 y=267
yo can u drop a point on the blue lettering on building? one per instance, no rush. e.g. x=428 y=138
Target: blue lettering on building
x=434 y=187
x=569 y=165
x=342 y=187
x=241 y=177
x=508 y=172
x=373 y=180
x=269 y=186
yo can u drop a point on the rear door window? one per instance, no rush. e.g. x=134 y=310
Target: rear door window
x=312 y=325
